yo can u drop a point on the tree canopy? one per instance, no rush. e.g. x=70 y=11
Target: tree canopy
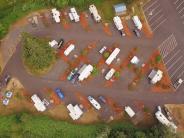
x=37 y=55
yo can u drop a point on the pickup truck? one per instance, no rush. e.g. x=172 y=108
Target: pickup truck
x=95 y=104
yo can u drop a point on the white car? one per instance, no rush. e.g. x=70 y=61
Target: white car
x=95 y=104
x=6 y=101
x=178 y=83
x=102 y=49
x=9 y=94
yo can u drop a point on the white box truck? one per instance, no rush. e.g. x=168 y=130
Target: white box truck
x=110 y=73
x=137 y=22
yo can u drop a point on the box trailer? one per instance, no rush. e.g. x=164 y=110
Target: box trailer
x=39 y=105
x=129 y=111
x=69 y=49
x=137 y=22
x=85 y=72
x=74 y=111
x=112 y=56
x=73 y=15
x=94 y=13
x=56 y=15
x=110 y=73
x=118 y=23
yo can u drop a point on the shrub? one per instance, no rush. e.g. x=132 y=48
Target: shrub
x=158 y=59
x=106 y=55
x=37 y=55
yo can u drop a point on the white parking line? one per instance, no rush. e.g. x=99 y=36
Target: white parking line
x=159 y=25
x=174 y=63
x=152 y=23
x=147 y=8
x=175 y=71
x=176 y=1
x=180 y=11
x=180 y=4
x=180 y=74
x=154 y=15
x=172 y=57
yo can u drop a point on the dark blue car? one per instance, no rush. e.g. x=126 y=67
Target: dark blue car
x=59 y=93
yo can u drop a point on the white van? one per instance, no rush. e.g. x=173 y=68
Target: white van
x=95 y=104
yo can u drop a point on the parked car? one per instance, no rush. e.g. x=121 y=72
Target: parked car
x=95 y=104
x=159 y=108
x=61 y=42
x=102 y=99
x=9 y=94
x=102 y=49
x=7 y=79
x=75 y=77
x=59 y=93
x=72 y=73
x=178 y=83
x=6 y=101
x=137 y=33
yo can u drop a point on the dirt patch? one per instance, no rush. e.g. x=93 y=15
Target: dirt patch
x=18 y=102
x=177 y=111
x=106 y=29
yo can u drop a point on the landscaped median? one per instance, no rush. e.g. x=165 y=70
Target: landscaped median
x=37 y=55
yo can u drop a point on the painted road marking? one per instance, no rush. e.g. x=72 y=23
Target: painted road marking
x=156 y=20
x=175 y=71
x=152 y=4
x=175 y=54
x=159 y=24
x=180 y=4
x=174 y=63
x=154 y=15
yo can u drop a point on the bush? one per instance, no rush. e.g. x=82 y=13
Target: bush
x=117 y=74
x=106 y=55
x=158 y=59
x=37 y=55
x=95 y=71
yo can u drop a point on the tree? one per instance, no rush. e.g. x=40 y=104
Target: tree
x=158 y=59
x=37 y=55
x=106 y=55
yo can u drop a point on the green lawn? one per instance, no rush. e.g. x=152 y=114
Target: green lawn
x=24 y=125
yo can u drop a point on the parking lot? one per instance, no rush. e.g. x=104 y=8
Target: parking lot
x=179 y=6
x=173 y=58
x=84 y=35
x=155 y=14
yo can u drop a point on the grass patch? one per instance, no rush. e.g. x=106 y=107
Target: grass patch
x=37 y=55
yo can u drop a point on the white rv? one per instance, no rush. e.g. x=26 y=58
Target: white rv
x=85 y=72
x=137 y=22
x=73 y=15
x=94 y=13
x=163 y=120
x=129 y=111
x=39 y=105
x=118 y=24
x=112 y=56
x=109 y=75
x=56 y=15
x=75 y=111
x=69 y=49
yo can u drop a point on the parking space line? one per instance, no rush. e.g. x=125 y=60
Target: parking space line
x=180 y=74
x=176 y=1
x=154 y=15
x=159 y=24
x=152 y=10
x=180 y=4
x=152 y=4
x=156 y=20
x=174 y=63
x=172 y=57
x=180 y=11
x=175 y=71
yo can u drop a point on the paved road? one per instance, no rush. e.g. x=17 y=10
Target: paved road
x=119 y=91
